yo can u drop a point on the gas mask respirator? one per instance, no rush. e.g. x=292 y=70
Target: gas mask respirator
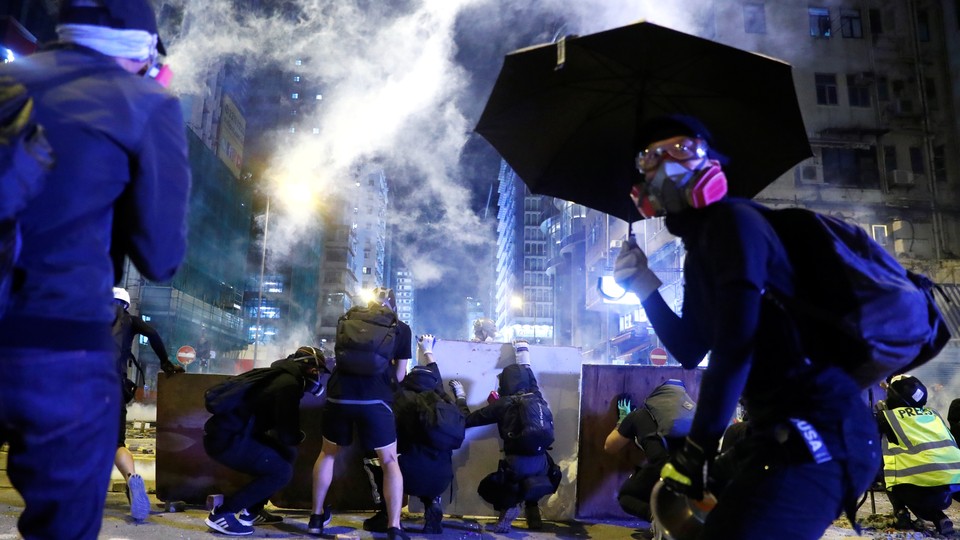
x=675 y=188
x=314 y=386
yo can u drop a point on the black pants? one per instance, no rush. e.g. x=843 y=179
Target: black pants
x=926 y=502
x=271 y=467
x=634 y=495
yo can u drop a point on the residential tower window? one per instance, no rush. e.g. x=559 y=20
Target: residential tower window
x=851 y=25
x=890 y=157
x=916 y=160
x=819 y=22
x=940 y=163
x=826 y=88
x=883 y=89
x=858 y=91
x=850 y=167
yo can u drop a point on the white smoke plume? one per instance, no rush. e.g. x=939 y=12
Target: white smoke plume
x=398 y=89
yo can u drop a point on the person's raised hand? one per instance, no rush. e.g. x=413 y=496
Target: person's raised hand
x=426 y=343
x=631 y=272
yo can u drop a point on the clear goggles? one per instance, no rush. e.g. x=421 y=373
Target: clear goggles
x=678 y=148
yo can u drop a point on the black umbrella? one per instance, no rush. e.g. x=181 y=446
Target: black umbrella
x=564 y=115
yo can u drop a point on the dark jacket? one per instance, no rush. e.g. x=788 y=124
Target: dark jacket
x=427 y=472
x=514 y=379
x=125 y=327
x=733 y=254
x=119 y=187
x=270 y=414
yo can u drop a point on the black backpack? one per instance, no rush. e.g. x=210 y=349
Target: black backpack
x=25 y=158
x=442 y=424
x=854 y=304
x=672 y=409
x=366 y=339
x=528 y=423
x=229 y=396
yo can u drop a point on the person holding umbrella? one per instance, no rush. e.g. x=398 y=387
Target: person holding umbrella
x=813 y=448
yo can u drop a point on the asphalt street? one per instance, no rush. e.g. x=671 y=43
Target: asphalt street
x=162 y=525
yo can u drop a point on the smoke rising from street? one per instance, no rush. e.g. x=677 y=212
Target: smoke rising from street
x=403 y=84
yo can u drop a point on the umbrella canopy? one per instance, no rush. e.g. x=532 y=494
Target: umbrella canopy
x=564 y=115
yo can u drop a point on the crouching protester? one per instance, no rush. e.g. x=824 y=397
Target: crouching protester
x=255 y=429
x=658 y=427
x=813 y=445
x=921 y=461
x=430 y=426
x=525 y=424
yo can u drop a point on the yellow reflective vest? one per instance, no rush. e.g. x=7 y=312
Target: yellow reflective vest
x=925 y=453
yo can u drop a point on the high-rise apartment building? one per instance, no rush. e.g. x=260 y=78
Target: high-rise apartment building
x=404 y=287
x=524 y=287
x=354 y=248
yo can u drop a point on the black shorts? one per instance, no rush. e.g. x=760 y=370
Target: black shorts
x=374 y=420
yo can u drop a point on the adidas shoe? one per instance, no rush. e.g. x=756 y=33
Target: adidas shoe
x=139 y=501
x=226 y=523
x=319 y=521
x=260 y=518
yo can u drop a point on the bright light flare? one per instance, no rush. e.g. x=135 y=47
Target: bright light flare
x=295 y=193
x=366 y=295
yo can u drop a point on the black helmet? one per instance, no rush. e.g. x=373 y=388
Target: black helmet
x=906 y=391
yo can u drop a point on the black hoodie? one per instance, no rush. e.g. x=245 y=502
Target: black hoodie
x=514 y=379
x=273 y=408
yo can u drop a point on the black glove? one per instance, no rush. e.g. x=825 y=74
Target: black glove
x=686 y=472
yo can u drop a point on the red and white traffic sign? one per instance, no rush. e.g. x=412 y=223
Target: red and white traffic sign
x=658 y=357
x=186 y=355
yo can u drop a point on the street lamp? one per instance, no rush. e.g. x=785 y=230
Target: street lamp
x=263 y=263
x=292 y=194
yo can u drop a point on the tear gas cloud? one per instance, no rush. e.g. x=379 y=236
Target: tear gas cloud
x=403 y=84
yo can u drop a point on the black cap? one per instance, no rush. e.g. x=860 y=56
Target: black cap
x=120 y=14
x=674 y=125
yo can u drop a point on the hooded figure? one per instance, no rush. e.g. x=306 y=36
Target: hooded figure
x=118 y=187
x=259 y=437
x=505 y=489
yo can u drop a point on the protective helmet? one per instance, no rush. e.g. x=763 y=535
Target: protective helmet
x=311 y=357
x=121 y=295
x=906 y=391
x=484 y=328
x=385 y=297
